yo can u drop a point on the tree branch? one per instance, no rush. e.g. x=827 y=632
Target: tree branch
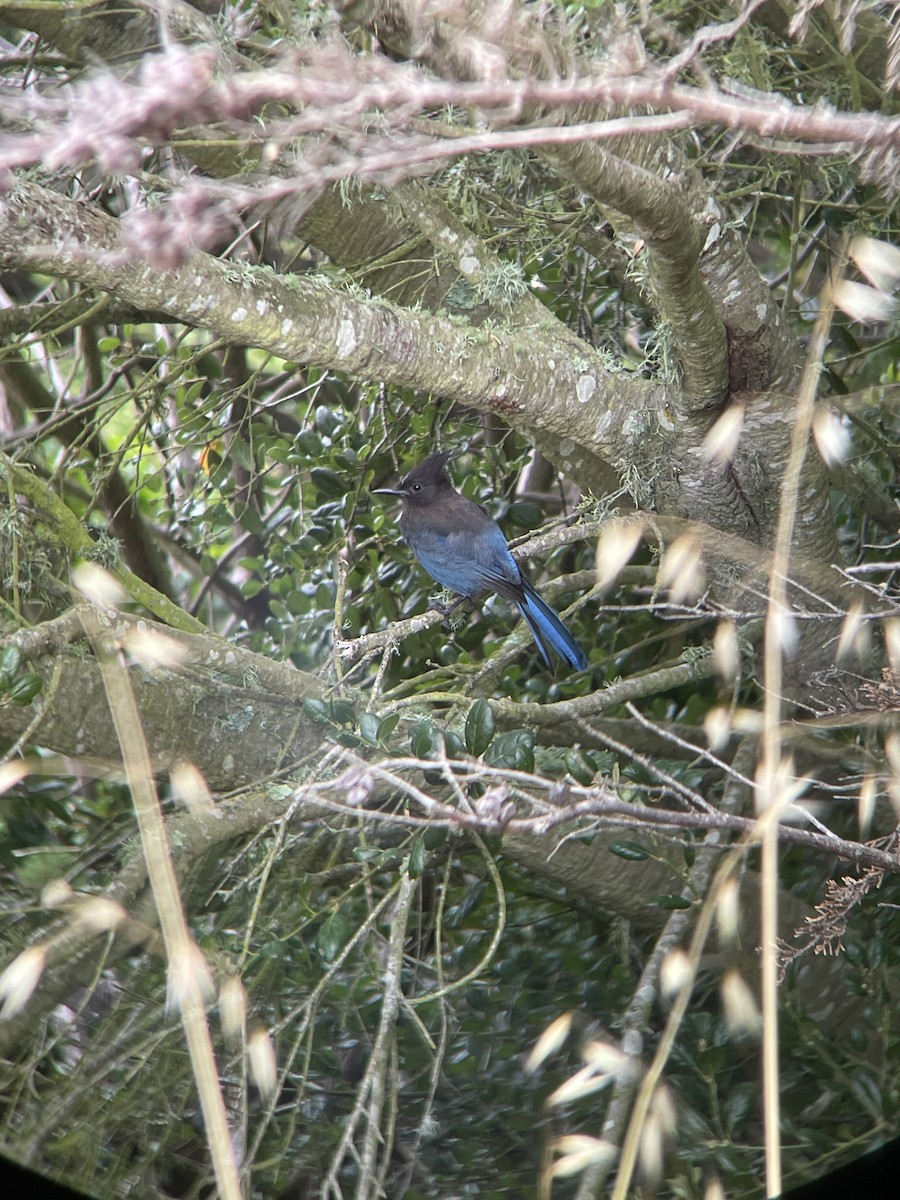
x=523 y=378
x=236 y=715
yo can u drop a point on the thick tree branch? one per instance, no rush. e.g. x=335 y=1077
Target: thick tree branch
x=654 y=207
x=524 y=379
x=674 y=240
x=237 y=716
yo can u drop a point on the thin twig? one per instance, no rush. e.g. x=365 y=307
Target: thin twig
x=184 y=959
x=770 y=779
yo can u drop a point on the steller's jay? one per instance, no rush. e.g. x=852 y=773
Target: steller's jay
x=463 y=548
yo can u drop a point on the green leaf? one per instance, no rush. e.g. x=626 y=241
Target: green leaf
x=317 y=710
x=369 y=727
x=9 y=660
x=468 y=904
x=24 y=690
x=34 y=870
x=240 y=452
x=454 y=746
x=435 y=836
x=421 y=741
x=250 y=519
x=193 y=393
x=342 y=713
x=417 y=856
x=332 y=937
x=579 y=767
x=327 y=483
x=479 y=728
x=513 y=749
x=252 y=563
x=866 y=1089
x=327 y=420
x=526 y=514
x=633 y=851
x=386 y=726
x=367 y=854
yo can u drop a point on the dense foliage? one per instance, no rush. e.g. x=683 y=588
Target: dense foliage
x=259 y=260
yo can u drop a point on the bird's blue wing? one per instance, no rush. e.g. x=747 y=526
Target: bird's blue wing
x=465 y=562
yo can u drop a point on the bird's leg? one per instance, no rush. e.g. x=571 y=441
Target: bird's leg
x=447 y=610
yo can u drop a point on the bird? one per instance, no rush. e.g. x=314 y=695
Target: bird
x=462 y=547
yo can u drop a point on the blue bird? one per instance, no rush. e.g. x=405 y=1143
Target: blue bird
x=461 y=546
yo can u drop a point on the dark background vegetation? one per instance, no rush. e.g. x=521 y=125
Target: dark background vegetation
x=259 y=259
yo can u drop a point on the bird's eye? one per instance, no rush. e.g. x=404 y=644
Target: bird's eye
x=417 y=487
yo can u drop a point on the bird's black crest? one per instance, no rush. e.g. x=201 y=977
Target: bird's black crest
x=429 y=471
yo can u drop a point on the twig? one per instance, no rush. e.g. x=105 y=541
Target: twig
x=770 y=779
x=635 y=1019
x=372 y=1084
x=186 y=965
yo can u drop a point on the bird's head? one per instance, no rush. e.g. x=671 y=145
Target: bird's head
x=424 y=483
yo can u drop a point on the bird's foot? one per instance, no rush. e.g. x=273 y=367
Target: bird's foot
x=447 y=610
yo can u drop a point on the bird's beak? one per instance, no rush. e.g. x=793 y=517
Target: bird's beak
x=388 y=492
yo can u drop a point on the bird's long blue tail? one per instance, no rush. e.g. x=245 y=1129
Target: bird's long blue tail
x=548 y=631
